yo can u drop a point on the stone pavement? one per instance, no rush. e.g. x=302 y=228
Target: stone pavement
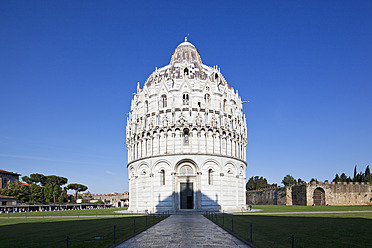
x=184 y=231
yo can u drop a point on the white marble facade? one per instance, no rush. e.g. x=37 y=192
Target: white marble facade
x=186 y=139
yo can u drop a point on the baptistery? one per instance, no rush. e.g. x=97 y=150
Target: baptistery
x=186 y=138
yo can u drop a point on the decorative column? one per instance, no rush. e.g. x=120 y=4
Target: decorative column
x=206 y=140
x=197 y=206
x=174 y=191
x=213 y=137
x=181 y=143
x=152 y=191
x=191 y=136
x=174 y=141
x=219 y=138
x=221 y=195
x=146 y=147
x=166 y=141
x=159 y=143
x=152 y=145
x=198 y=137
x=141 y=141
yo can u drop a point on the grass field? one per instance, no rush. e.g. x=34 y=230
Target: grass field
x=87 y=232
x=281 y=208
x=309 y=230
x=75 y=213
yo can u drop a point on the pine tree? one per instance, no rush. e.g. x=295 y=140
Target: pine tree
x=336 y=179
x=343 y=178
x=257 y=183
x=36 y=193
x=288 y=180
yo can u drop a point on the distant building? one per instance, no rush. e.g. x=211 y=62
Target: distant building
x=6 y=177
x=314 y=194
x=8 y=201
x=186 y=139
x=115 y=199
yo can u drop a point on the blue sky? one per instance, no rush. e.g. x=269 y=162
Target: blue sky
x=68 y=70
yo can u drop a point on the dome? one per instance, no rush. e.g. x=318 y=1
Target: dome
x=186 y=52
x=186 y=43
x=186 y=59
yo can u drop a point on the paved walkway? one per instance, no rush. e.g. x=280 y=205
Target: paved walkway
x=184 y=231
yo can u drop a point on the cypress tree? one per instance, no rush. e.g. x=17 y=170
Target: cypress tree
x=355 y=174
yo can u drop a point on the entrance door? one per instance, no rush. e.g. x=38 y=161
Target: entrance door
x=319 y=197
x=187 y=195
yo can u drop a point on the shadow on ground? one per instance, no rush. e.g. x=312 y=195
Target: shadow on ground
x=329 y=230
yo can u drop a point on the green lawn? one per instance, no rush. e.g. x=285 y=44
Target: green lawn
x=310 y=230
x=82 y=232
x=77 y=213
x=281 y=208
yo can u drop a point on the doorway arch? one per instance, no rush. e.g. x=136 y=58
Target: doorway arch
x=186 y=183
x=319 y=197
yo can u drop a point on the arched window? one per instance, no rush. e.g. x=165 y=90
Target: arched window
x=185 y=99
x=164 y=101
x=186 y=170
x=147 y=106
x=186 y=137
x=224 y=105
x=162 y=177
x=186 y=71
x=207 y=98
x=210 y=172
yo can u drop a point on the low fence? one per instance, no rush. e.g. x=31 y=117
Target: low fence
x=233 y=225
x=117 y=234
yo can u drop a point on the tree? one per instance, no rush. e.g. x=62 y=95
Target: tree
x=36 y=190
x=63 y=197
x=257 y=183
x=355 y=174
x=18 y=190
x=35 y=178
x=288 y=180
x=77 y=187
x=367 y=175
x=36 y=193
x=314 y=180
x=55 y=181
x=48 y=193
x=336 y=179
x=344 y=178
x=71 y=199
x=27 y=180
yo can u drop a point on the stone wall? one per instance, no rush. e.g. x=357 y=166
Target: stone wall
x=269 y=196
x=305 y=194
x=341 y=193
x=298 y=194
